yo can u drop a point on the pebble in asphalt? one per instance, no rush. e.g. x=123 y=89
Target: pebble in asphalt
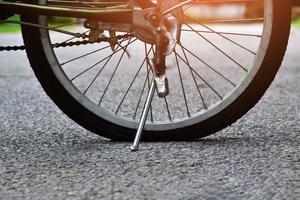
x=45 y=155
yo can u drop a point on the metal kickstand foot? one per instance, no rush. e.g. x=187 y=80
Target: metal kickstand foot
x=135 y=146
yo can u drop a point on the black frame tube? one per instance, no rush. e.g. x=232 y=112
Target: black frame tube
x=112 y=15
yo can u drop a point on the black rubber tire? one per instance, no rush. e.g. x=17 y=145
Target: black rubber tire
x=248 y=99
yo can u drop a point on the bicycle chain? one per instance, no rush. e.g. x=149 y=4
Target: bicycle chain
x=67 y=44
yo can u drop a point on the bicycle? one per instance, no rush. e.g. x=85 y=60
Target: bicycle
x=102 y=69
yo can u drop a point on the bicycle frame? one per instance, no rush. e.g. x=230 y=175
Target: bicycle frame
x=111 y=14
x=106 y=11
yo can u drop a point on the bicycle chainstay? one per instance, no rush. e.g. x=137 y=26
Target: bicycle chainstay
x=67 y=44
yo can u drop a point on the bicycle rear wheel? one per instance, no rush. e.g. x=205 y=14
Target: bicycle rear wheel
x=217 y=72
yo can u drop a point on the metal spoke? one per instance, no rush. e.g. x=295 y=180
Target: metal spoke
x=99 y=72
x=194 y=78
x=92 y=52
x=230 y=40
x=149 y=83
x=84 y=55
x=209 y=66
x=114 y=72
x=225 y=54
x=198 y=75
x=233 y=20
x=226 y=38
x=141 y=94
x=168 y=110
x=94 y=65
x=223 y=33
x=130 y=85
x=181 y=83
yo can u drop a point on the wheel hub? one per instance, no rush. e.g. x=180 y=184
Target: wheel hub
x=163 y=31
x=146 y=22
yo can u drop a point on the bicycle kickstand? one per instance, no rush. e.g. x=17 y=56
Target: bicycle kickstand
x=135 y=146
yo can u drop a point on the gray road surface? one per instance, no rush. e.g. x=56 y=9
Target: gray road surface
x=44 y=155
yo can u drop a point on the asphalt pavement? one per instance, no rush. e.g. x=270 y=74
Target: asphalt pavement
x=45 y=155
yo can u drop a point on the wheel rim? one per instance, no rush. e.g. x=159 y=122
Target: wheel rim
x=221 y=79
